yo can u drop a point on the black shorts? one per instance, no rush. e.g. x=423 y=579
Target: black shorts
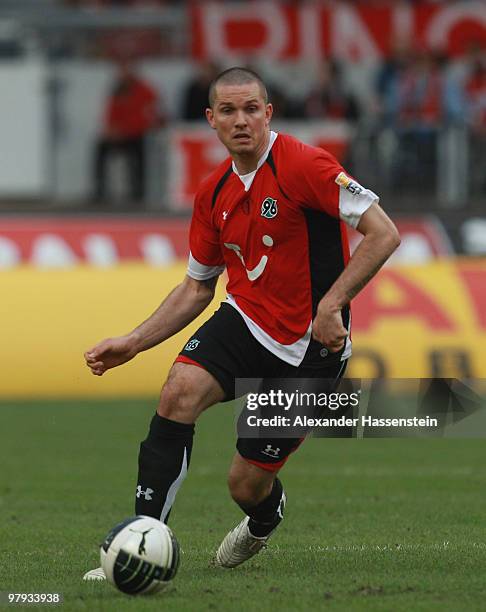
x=225 y=348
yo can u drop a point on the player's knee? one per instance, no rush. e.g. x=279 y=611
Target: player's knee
x=188 y=391
x=177 y=401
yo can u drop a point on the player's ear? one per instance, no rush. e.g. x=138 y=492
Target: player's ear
x=268 y=113
x=210 y=117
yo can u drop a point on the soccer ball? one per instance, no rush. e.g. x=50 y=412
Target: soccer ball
x=140 y=555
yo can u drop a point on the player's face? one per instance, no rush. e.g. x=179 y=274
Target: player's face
x=241 y=119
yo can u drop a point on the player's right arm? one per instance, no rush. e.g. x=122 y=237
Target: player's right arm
x=179 y=308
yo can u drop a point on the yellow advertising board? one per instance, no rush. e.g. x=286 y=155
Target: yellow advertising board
x=424 y=321
x=51 y=317
x=409 y=322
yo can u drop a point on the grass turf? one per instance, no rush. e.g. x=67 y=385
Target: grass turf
x=370 y=524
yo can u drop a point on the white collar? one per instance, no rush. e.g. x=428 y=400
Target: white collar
x=261 y=161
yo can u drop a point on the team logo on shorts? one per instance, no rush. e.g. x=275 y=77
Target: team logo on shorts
x=353 y=187
x=269 y=208
x=192 y=344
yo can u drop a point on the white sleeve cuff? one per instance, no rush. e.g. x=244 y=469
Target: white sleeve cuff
x=352 y=207
x=354 y=200
x=200 y=272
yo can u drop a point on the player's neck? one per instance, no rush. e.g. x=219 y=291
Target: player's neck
x=246 y=163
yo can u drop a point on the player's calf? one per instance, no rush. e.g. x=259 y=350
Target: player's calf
x=258 y=492
x=267 y=514
x=252 y=534
x=166 y=452
x=162 y=466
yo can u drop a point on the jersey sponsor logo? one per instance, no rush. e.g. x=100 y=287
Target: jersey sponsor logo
x=258 y=270
x=269 y=208
x=192 y=344
x=353 y=187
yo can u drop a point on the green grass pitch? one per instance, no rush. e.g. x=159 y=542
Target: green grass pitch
x=370 y=524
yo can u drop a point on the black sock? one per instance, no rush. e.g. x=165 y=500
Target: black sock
x=269 y=512
x=162 y=466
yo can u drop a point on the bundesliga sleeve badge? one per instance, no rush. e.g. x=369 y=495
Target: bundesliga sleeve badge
x=343 y=180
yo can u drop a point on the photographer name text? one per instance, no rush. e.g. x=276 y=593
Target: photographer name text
x=365 y=421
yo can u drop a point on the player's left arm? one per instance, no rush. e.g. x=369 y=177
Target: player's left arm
x=380 y=239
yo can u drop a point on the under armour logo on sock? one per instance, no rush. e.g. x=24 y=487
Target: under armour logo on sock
x=270 y=451
x=145 y=493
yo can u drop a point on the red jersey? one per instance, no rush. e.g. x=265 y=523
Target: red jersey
x=280 y=234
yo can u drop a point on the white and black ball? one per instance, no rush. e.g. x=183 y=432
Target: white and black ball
x=140 y=555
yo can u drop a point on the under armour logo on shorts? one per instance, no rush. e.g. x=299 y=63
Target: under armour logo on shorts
x=270 y=451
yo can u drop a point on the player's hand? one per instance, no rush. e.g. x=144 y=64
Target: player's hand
x=328 y=328
x=110 y=353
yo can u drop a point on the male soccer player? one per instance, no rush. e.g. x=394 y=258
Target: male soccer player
x=273 y=215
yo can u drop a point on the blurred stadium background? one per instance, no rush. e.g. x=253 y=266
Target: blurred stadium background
x=103 y=144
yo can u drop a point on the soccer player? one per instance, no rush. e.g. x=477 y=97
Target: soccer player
x=273 y=214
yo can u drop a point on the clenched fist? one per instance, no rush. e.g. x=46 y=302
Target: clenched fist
x=328 y=328
x=110 y=353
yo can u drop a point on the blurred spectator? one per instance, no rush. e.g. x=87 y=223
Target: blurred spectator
x=420 y=93
x=465 y=91
x=475 y=115
x=416 y=114
x=282 y=105
x=388 y=78
x=195 y=99
x=475 y=93
x=131 y=113
x=328 y=98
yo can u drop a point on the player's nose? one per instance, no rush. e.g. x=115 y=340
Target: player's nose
x=240 y=119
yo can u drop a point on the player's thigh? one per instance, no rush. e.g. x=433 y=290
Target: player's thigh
x=189 y=390
x=225 y=348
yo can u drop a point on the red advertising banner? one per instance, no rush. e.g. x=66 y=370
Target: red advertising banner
x=62 y=243
x=366 y=31
x=196 y=151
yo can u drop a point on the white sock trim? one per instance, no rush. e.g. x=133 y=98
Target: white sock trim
x=174 y=487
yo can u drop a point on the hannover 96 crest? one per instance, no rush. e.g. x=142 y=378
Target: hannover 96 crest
x=269 y=208
x=192 y=344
